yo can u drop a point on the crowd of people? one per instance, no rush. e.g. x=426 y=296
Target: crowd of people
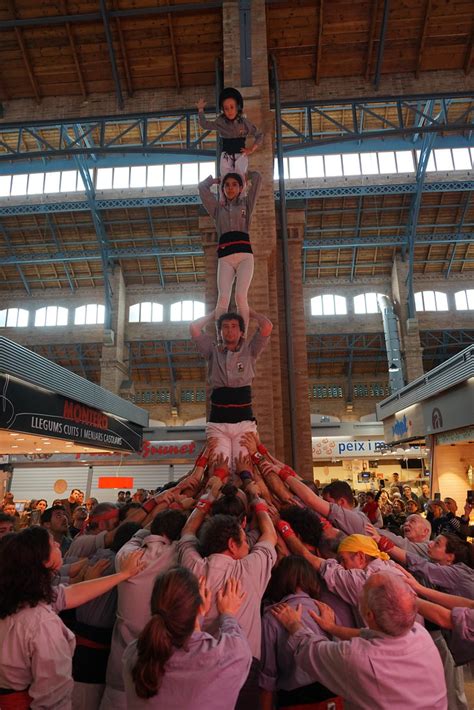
x=238 y=586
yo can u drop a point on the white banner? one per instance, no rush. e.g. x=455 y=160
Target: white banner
x=336 y=448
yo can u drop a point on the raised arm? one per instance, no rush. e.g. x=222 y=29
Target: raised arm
x=267 y=531
x=265 y=325
x=254 y=191
x=203 y=122
x=83 y=592
x=209 y=200
x=198 y=325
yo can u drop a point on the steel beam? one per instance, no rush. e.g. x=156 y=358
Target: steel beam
x=459 y=234
x=11 y=250
x=381 y=46
x=52 y=229
x=110 y=46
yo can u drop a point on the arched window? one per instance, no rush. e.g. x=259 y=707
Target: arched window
x=51 y=315
x=146 y=312
x=366 y=303
x=187 y=310
x=13 y=318
x=92 y=314
x=431 y=301
x=328 y=305
x=465 y=300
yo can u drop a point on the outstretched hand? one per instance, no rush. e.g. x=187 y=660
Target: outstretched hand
x=372 y=532
x=133 y=563
x=249 y=440
x=205 y=596
x=201 y=104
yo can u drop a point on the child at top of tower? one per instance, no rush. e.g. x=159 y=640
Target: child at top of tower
x=233 y=128
x=232 y=217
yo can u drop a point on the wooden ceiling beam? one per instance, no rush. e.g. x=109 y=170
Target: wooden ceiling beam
x=424 y=33
x=75 y=57
x=24 y=55
x=319 y=44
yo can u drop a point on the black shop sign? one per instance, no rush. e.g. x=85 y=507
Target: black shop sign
x=36 y=411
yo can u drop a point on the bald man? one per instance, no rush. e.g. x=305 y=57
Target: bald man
x=366 y=656
x=416 y=535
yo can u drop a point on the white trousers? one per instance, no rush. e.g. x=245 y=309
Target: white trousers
x=234 y=163
x=228 y=438
x=113 y=699
x=239 y=268
x=87 y=696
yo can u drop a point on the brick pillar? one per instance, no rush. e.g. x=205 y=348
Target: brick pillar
x=270 y=384
x=303 y=455
x=409 y=329
x=113 y=370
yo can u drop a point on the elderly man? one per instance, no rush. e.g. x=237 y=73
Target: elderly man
x=376 y=682
x=416 y=535
x=231 y=369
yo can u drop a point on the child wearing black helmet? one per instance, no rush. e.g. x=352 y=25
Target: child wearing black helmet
x=233 y=128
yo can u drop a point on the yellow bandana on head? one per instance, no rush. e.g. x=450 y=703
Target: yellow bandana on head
x=362 y=543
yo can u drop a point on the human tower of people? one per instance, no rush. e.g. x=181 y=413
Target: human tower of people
x=240 y=585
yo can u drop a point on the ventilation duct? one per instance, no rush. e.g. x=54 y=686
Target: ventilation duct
x=392 y=343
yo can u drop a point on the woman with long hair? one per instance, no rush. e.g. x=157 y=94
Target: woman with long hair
x=294 y=582
x=175 y=665
x=35 y=647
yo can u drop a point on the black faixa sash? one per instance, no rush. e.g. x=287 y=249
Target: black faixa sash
x=230 y=405
x=233 y=243
x=231 y=146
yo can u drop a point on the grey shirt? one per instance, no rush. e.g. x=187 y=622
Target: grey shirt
x=278 y=669
x=351 y=522
x=208 y=673
x=85 y=545
x=238 y=128
x=134 y=595
x=228 y=368
x=453 y=579
x=253 y=571
x=376 y=671
x=234 y=216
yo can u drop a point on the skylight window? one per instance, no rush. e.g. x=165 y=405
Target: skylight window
x=387 y=163
x=444 y=159
x=121 y=178
x=155 y=176
x=138 y=176
x=51 y=316
x=431 y=167
x=333 y=165
x=5 y=185
x=462 y=159
x=315 y=166
x=190 y=174
x=19 y=184
x=328 y=305
x=431 y=301
x=405 y=162
x=464 y=300
x=14 y=318
x=187 y=310
x=173 y=174
x=297 y=168
x=146 y=312
x=91 y=314
x=369 y=163
x=68 y=181
x=36 y=184
x=104 y=179
x=351 y=163
x=366 y=303
x=51 y=182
